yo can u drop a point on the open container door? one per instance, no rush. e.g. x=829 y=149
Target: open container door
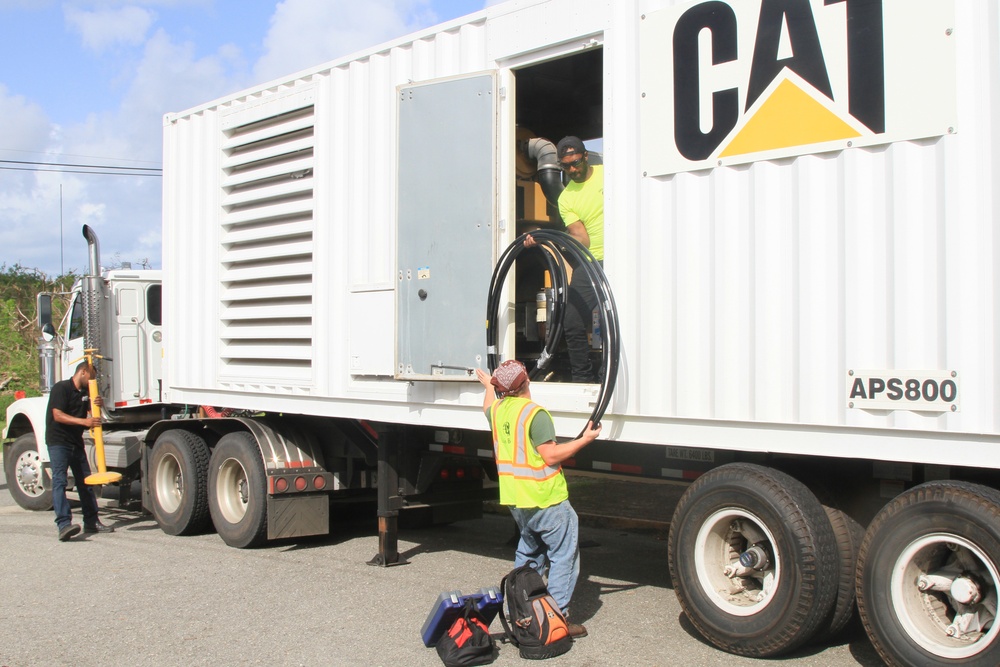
x=445 y=226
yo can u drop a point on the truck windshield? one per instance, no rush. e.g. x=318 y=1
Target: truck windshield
x=76 y=319
x=154 y=304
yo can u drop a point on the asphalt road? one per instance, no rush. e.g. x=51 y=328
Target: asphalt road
x=140 y=597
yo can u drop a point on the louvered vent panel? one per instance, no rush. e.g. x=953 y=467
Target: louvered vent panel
x=267 y=245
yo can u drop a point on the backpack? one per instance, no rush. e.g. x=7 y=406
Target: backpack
x=534 y=623
x=467 y=642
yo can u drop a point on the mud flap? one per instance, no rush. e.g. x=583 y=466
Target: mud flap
x=298 y=516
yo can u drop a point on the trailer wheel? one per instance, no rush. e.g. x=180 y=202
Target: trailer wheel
x=848 y=534
x=237 y=491
x=26 y=475
x=178 y=472
x=928 y=577
x=752 y=557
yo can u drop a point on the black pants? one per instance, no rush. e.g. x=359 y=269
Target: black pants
x=581 y=301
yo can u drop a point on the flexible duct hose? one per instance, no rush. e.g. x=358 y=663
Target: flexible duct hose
x=549 y=172
x=552 y=185
x=557 y=247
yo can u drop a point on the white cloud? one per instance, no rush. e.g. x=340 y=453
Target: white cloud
x=24 y=133
x=105 y=27
x=305 y=33
x=125 y=211
x=24 y=125
x=171 y=78
x=158 y=73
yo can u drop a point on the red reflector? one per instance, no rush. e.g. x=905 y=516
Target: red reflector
x=18 y=395
x=460 y=473
x=319 y=482
x=622 y=467
x=280 y=485
x=444 y=473
x=300 y=483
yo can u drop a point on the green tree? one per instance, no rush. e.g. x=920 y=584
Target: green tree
x=19 y=331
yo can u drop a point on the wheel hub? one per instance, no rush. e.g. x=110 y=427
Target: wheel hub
x=945 y=590
x=233 y=490
x=169 y=483
x=29 y=474
x=755 y=558
x=734 y=562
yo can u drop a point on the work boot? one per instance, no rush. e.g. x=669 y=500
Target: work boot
x=97 y=527
x=69 y=531
x=576 y=630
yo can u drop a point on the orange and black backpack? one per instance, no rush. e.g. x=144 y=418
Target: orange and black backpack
x=533 y=623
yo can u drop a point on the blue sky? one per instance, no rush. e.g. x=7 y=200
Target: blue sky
x=88 y=81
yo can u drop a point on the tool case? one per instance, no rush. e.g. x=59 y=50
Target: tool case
x=449 y=606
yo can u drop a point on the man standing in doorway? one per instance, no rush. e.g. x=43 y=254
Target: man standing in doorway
x=65 y=421
x=532 y=483
x=581 y=206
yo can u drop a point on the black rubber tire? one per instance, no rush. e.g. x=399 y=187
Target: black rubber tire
x=916 y=533
x=848 y=534
x=237 y=491
x=724 y=509
x=178 y=482
x=36 y=494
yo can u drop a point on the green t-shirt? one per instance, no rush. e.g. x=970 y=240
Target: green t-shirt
x=585 y=202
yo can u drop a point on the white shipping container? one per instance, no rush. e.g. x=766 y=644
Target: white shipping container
x=754 y=290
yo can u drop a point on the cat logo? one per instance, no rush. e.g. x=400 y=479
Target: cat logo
x=734 y=81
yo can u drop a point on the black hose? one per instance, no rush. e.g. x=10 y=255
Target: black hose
x=558 y=249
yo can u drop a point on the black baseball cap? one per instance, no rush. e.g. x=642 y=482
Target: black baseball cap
x=569 y=145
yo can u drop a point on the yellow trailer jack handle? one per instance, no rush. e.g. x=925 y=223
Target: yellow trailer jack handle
x=102 y=476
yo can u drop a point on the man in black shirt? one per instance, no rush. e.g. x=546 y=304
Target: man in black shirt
x=65 y=421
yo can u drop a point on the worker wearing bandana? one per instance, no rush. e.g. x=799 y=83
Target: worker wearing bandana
x=532 y=483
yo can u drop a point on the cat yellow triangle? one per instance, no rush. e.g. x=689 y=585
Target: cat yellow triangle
x=789 y=117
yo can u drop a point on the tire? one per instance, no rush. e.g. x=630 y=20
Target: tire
x=26 y=475
x=178 y=474
x=752 y=510
x=848 y=534
x=941 y=529
x=237 y=491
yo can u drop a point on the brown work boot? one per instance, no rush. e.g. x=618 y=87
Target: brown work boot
x=576 y=630
x=68 y=531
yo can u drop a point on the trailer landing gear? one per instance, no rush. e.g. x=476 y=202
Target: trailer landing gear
x=389 y=501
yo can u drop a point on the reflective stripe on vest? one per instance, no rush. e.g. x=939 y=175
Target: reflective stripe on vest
x=527 y=463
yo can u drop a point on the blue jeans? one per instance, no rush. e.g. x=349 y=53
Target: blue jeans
x=551 y=536
x=61 y=458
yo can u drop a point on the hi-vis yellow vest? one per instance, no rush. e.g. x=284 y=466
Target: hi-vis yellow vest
x=525 y=480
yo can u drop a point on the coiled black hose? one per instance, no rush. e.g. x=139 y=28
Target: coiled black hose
x=561 y=248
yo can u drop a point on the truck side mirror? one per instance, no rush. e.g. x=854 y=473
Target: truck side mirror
x=44 y=310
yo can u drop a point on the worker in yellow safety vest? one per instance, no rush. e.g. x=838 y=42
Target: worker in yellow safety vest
x=532 y=484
